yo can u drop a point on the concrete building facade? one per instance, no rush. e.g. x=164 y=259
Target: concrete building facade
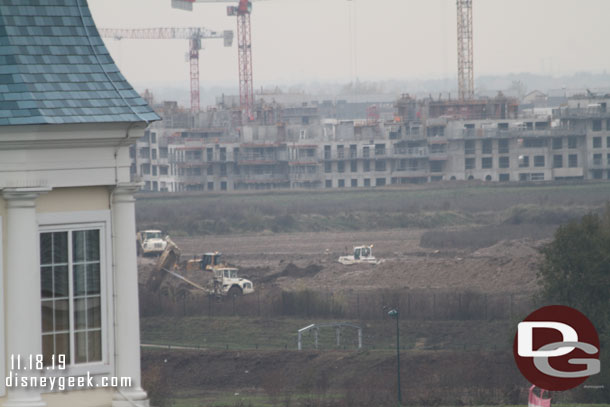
x=428 y=141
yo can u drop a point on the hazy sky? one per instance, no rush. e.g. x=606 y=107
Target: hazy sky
x=310 y=40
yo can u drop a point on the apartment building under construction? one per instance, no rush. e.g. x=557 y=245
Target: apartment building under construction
x=426 y=141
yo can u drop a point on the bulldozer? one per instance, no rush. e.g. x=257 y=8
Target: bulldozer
x=362 y=255
x=221 y=280
x=207 y=262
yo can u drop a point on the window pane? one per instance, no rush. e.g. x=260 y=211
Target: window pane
x=94 y=313
x=80 y=314
x=80 y=347
x=95 y=346
x=47 y=348
x=93 y=279
x=62 y=346
x=62 y=316
x=79 y=279
x=60 y=247
x=46 y=248
x=93 y=245
x=60 y=278
x=46 y=282
x=47 y=316
x=78 y=246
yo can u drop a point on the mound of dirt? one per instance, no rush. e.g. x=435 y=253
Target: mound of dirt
x=483 y=236
x=294 y=271
x=253 y=273
x=511 y=248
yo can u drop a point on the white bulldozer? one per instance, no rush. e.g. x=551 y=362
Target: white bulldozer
x=362 y=255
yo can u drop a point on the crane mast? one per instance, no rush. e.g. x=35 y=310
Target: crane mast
x=193 y=34
x=464 y=46
x=244 y=50
x=244 y=44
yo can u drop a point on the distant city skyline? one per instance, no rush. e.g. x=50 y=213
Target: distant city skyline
x=297 y=41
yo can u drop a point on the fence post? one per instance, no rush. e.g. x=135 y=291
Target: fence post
x=258 y=297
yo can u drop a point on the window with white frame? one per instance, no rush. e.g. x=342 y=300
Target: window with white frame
x=72 y=298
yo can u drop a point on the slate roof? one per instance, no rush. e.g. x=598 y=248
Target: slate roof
x=55 y=69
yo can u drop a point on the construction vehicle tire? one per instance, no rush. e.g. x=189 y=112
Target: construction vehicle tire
x=234 y=291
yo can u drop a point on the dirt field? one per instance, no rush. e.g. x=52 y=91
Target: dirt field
x=506 y=266
x=363 y=378
x=452 y=248
x=460 y=237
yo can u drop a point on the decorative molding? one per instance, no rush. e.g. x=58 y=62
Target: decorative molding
x=124 y=192
x=70 y=136
x=24 y=197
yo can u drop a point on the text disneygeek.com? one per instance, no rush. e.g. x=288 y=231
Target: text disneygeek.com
x=61 y=383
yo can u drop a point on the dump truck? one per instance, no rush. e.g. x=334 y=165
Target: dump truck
x=219 y=280
x=151 y=242
x=362 y=255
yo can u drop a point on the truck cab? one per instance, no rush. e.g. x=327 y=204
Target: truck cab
x=151 y=242
x=207 y=262
x=227 y=282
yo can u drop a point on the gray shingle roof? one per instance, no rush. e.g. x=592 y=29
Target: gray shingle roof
x=55 y=69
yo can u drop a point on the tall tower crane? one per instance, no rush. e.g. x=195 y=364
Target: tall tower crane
x=244 y=42
x=464 y=46
x=193 y=34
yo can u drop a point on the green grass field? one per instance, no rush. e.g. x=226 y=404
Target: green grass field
x=361 y=209
x=235 y=333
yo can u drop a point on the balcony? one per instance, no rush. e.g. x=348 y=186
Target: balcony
x=257 y=158
x=410 y=152
x=439 y=156
x=263 y=178
x=519 y=133
x=305 y=176
x=567 y=172
x=581 y=113
x=337 y=155
x=411 y=172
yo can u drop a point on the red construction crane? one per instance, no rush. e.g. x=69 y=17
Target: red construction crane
x=244 y=49
x=464 y=44
x=193 y=34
